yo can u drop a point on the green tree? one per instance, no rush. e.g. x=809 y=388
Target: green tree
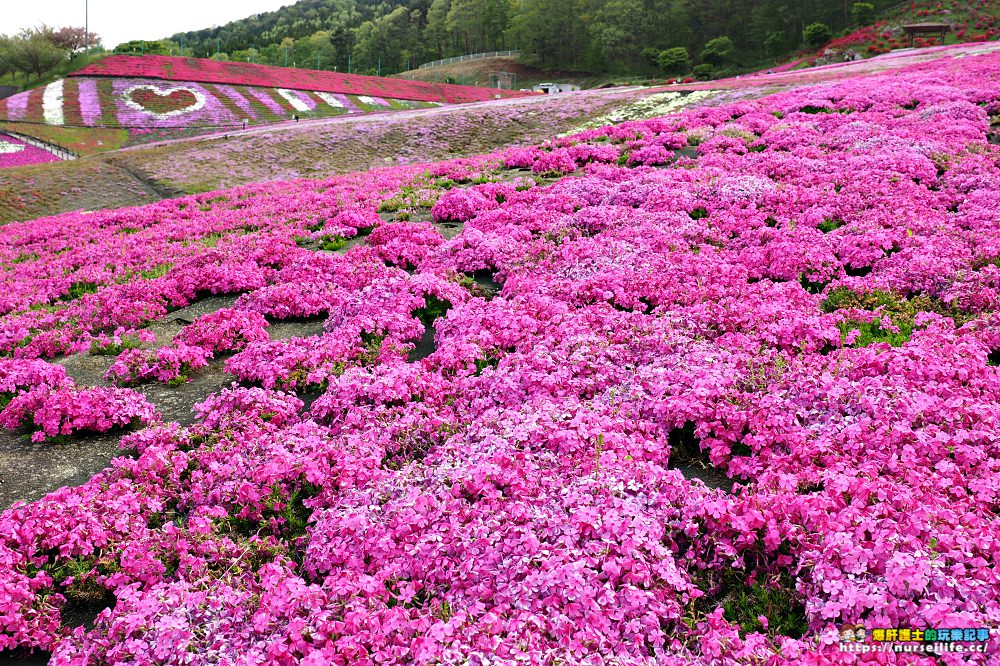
x=592 y=35
x=550 y=32
x=437 y=35
x=615 y=29
x=816 y=34
x=775 y=43
x=674 y=61
x=34 y=53
x=478 y=25
x=651 y=55
x=7 y=64
x=496 y=21
x=862 y=13
x=718 y=51
x=380 y=43
x=464 y=21
x=158 y=47
x=342 y=41
x=703 y=71
x=321 y=52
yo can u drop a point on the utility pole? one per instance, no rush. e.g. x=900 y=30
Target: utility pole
x=86 y=26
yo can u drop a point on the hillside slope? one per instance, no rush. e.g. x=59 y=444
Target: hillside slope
x=710 y=389
x=205 y=70
x=311 y=148
x=970 y=21
x=125 y=100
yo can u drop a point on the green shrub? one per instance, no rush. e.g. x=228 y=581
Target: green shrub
x=863 y=12
x=718 y=50
x=774 y=599
x=816 y=34
x=703 y=71
x=674 y=61
x=332 y=243
x=775 y=44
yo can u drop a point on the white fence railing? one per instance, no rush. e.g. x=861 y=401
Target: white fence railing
x=474 y=56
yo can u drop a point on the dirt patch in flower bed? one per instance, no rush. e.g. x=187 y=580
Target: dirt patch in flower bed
x=29 y=471
x=23 y=658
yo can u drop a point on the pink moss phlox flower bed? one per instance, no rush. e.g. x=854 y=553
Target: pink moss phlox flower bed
x=14 y=152
x=797 y=293
x=41 y=397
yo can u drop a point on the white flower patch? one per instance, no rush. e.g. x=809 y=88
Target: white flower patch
x=331 y=100
x=6 y=148
x=653 y=106
x=294 y=100
x=52 y=103
x=370 y=101
x=199 y=100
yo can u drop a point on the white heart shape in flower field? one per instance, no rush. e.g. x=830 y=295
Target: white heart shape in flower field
x=199 y=99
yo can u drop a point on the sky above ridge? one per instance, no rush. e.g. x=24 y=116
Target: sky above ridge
x=118 y=21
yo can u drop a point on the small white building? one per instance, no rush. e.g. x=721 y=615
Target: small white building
x=549 y=88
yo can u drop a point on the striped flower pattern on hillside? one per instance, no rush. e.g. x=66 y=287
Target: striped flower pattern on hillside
x=144 y=104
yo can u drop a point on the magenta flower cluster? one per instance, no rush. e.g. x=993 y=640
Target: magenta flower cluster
x=41 y=397
x=223 y=331
x=745 y=353
x=14 y=152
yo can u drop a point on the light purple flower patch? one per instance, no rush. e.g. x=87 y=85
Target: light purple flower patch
x=90 y=103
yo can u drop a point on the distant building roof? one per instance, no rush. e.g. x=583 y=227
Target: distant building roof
x=927 y=27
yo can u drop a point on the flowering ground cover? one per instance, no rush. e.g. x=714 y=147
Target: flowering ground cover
x=152 y=98
x=837 y=71
x=493 y=451
x=158 y=97
x=313 y=148
x=204 y=70
x=80 y=112
x=31 y=191
x=341 y=145
x=975 y=21
x=14 y=152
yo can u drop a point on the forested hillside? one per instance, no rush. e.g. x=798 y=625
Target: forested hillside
x=388 y=36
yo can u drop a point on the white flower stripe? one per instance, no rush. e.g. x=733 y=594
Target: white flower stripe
x=331 y=100
x=52 y=103
x=293 y=99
